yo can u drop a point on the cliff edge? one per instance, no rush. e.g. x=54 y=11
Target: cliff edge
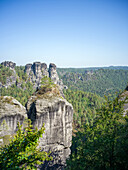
x=50 y=108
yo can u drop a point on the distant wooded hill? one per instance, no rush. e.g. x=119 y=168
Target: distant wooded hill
x=102 y=81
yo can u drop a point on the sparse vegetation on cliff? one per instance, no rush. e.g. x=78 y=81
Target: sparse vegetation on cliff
x=20 y=94
x=47 y=89
x=4 y=73
x=22 y=151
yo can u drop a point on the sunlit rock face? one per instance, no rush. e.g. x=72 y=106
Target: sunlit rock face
x=53 y=73
x=57 y=114
x=35 y=72
x=55 y=78
x=11 y=112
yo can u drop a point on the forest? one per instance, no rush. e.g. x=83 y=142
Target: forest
x=99 y=81
x=100 y=130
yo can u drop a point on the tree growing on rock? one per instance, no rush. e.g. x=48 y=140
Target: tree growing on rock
x=23 y=152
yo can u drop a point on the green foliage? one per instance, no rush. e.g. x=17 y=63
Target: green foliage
x=20 y=73
x=4 y=73
x=102 y=144
x=84 y=104
x=46 y=81
x=20 y=94
x=99 y=81
x=47 y=89
x=22 y=151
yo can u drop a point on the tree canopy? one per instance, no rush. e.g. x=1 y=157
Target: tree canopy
x=102 y=144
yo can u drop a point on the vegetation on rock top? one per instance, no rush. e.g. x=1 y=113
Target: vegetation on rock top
x=4 y=73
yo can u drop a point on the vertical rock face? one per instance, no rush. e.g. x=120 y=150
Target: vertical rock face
x=11 y=112
x=35 y=72
x=57 y=114
x=53 y=74
x=55 y=78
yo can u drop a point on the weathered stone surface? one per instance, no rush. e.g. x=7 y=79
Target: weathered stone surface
x=11 y=79
x=55 y=78
x=11 y=112
x=53 y=73
x=9 y=64
x=35 y=72
x=57 y=114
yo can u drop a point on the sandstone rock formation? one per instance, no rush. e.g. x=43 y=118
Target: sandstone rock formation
x=55 y=78
x=9 y=64
x=35 y=72
x=57 y=114
x=11 y=79
x=11 y=112
x=46 y=106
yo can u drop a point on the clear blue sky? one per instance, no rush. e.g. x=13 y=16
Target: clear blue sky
x=69 y=33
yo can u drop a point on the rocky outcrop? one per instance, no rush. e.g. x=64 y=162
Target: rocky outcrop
x=57 y=114
x=35 y=72
x=10 y=80
x=9 y=64
x=55 y=78
x=11 y=112
x=53 y=73
x=47 y=106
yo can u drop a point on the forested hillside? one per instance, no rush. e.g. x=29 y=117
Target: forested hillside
x=21 y=90
x=103 y=142
x=99 y=128
x=4 y=73
x=84 y=104
x=100 y=81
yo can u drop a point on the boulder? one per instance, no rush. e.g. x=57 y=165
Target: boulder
x=11 y=112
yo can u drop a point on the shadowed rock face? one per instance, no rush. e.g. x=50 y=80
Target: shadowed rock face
x=57 y=114
x=11 y=112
